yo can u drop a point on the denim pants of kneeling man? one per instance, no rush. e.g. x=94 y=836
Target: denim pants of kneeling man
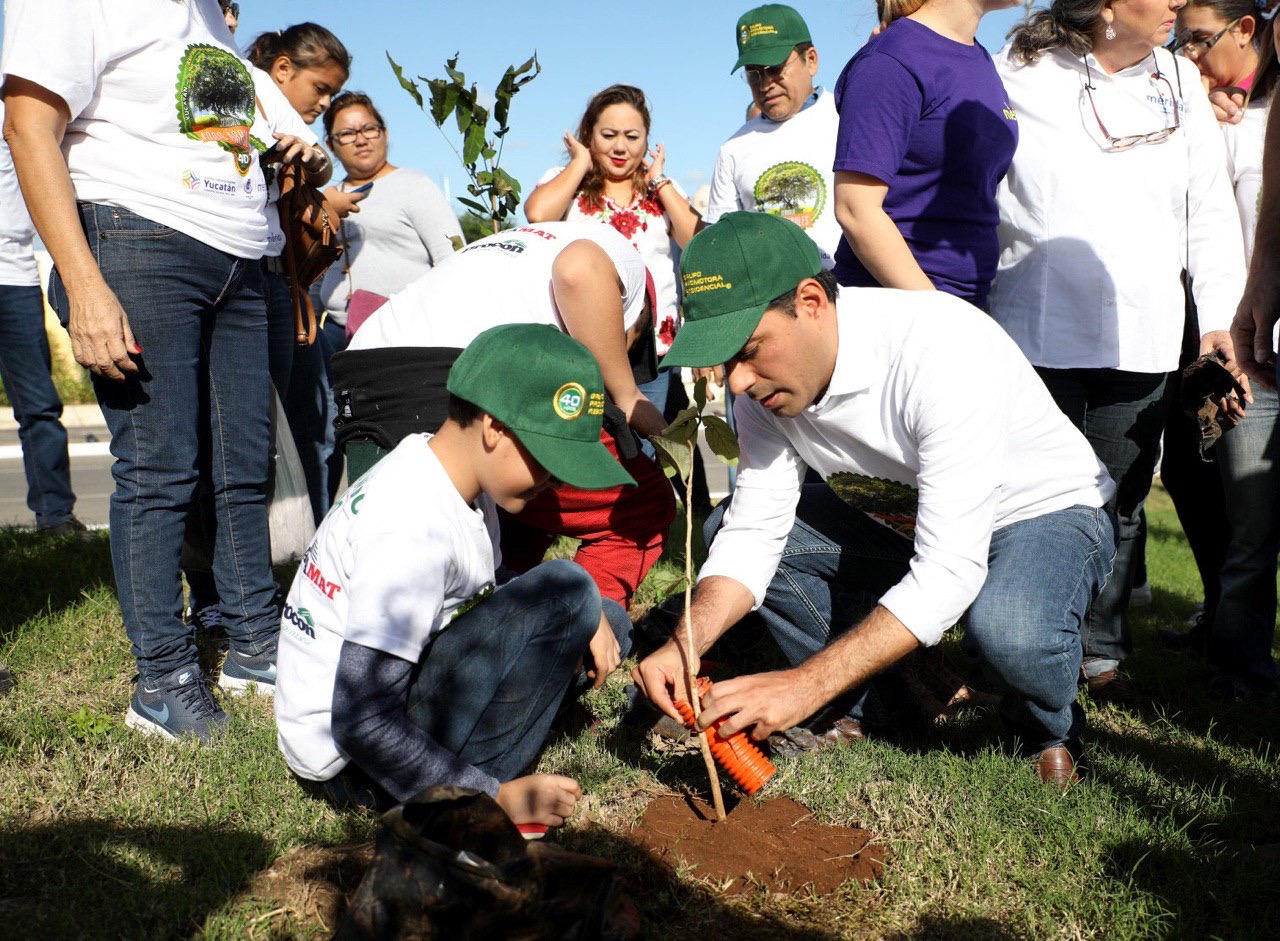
x=1024 y=626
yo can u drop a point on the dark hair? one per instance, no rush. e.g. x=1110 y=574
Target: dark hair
x=1264 y=79
x=592 y=187
x=462 y=411
x=890 y=10
x=786 y=303
x=1069 y=23
x=350 y=99
x=306 y=45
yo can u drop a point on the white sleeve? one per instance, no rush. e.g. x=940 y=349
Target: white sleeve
x=1215 y=251
x=724 y=192
x=961 y=432
x=749 y=545
x=433 y=220
x=397 y=590
x=58 y=45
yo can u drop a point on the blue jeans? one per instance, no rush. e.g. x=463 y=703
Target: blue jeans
x=1244 y=626
x=281 y=339
x=1122 y=414
x=24 y=370
x=489 y=687
x=200 y=318
x=1024 y=625
x=310 y=409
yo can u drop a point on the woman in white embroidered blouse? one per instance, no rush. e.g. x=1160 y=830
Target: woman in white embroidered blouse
x=1119 y=184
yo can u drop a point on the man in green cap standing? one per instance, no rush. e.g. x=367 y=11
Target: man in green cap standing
x=953 y=484
x=780 y=162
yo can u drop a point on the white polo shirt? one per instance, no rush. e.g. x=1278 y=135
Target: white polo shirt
x=936 y=426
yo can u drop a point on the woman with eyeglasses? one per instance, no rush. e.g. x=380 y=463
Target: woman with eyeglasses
x=401 y=227
x=925 y=136
x=1119 y=185
x=1232 y=46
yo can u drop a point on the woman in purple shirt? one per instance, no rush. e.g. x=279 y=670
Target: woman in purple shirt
x=926 y=134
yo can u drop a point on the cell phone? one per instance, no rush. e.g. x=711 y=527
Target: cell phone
x=363 y=189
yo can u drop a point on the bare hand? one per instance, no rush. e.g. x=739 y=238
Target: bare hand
x=290 y=149
x=539 y=798
x=101 y=340
x=345 y=203
x=604 y=653
x=1228 y=105
x=661 y=674
x=657 y=160
x=714 y=376
x=646 y=419
x=1220 y=340
x=1255 y=319
x=578 y=153
x=764 y=703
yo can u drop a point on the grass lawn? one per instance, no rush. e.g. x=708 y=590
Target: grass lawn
x=107 y=834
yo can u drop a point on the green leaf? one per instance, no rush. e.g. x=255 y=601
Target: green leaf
x=504 y=182
x=676 y=458
x=463 y=113
x=451 y=69
x=686 y=421
x=478 y=208
x=444 y=98
x=407 y=84
x=700 y=394
x=721 y=439
x=472 y=143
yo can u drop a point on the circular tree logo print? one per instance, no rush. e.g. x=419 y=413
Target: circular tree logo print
x=215 y=101
x=795 y=191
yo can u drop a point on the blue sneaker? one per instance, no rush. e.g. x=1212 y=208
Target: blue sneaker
x=240 y=671
x=180 y=704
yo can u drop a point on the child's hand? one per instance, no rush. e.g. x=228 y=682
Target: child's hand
x=603 y=654
x=539 y=798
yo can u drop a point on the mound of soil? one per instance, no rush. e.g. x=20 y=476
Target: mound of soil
x=776 y=845
x=310 y=884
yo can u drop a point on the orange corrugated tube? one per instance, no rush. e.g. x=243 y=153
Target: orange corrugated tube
x=737 y=754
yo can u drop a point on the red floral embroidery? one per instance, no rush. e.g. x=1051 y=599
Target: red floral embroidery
x=626 y=222
x=667 y=332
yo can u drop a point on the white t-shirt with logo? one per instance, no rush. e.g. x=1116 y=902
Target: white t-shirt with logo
x=505 y=278
x=161 y=110
x=398 y=557
x=763 y=155
x=274 y=115
x=17 y=257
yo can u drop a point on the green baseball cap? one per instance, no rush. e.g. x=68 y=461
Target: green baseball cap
x=546 y=387
x=730 y=272
x=767 y=34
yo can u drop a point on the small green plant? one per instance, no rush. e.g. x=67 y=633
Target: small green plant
x=496 y=192
x=87 y=725
x=675 y=447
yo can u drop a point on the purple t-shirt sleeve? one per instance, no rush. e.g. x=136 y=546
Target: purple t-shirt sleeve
x=879 y=103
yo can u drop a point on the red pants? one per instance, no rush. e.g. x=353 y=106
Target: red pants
x=623 y=529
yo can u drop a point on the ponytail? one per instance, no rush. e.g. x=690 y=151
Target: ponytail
x=1067 y=23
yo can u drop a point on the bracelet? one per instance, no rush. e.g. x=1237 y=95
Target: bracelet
x=657 y=183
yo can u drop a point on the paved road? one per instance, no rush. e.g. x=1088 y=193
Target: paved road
x=91 y=469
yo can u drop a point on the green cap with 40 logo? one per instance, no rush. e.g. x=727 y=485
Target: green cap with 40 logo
x=546 y=387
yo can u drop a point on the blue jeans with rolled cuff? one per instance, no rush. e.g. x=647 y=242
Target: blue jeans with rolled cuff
x=24 y=370
x=200 y=318
x=1024 y=625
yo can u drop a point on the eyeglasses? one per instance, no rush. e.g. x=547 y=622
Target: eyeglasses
x=1192 y=48
x=757 y=76
x=368 y=132
x=232 y=8
x=1133 y=140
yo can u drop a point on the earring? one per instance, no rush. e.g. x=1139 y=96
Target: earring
x=1110 y=32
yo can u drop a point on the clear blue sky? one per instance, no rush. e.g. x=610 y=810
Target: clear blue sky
x=678 y=51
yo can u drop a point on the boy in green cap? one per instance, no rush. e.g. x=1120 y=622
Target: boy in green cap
x=403 y=662
x=954 y=484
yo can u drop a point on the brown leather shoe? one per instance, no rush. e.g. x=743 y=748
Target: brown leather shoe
x=821 y=732
x=1111 y=688
x=1058 y=767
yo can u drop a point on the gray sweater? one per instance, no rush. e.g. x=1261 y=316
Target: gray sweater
x=403 y=228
